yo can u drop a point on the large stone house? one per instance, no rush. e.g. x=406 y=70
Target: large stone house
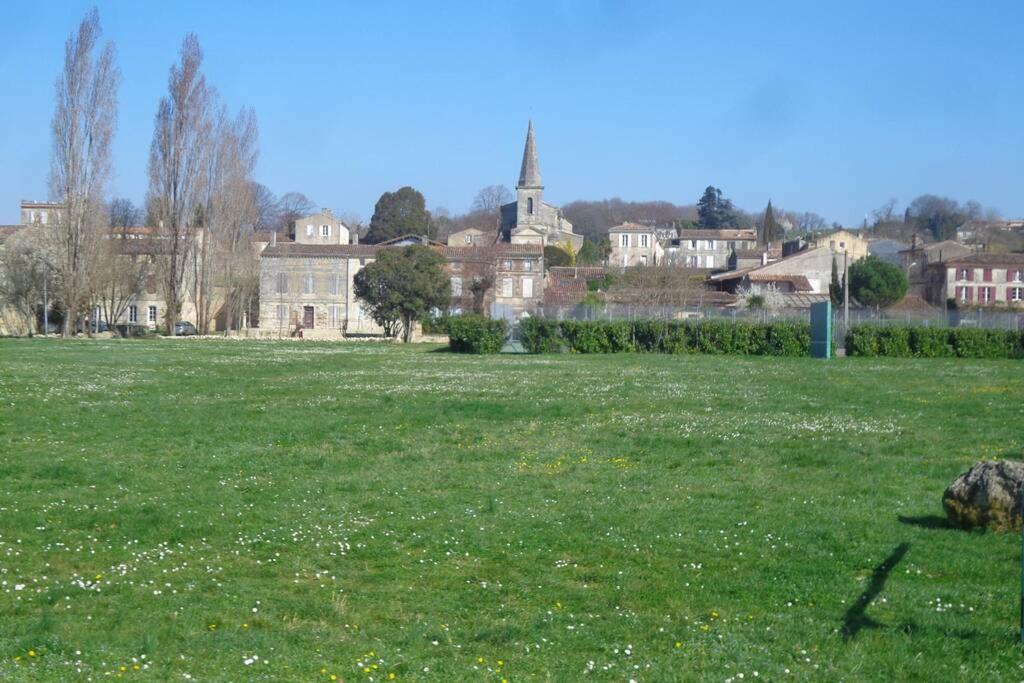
x=634 y=244
x=990 y=280
x=529 y=219
x=709 y=249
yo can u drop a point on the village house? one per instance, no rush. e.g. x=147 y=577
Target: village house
x=990 y=280
x=923 y=265
x=470 y=237
x=842 y=242
x=633 y=244
x=803 y=277
x=708 y=249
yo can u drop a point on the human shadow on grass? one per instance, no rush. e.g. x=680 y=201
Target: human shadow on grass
x=926 y=521
x=855 y=618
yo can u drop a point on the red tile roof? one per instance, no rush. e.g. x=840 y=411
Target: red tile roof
x=982 y=260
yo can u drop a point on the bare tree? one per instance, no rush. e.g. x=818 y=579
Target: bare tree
x=22 y=270
x=124 y=214
x=491 y=198
x=122 y=267
x=291 y=207
x=267 y=210
x=84 y=120
x=225 y=263
x=178 y=161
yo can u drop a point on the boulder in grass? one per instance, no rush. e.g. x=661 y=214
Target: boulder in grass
x=986 y=496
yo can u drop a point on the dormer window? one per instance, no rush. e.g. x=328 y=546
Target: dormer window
x=529 y=205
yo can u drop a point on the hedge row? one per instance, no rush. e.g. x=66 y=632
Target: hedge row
x=933 y=342
x=657 y=336
x=475 y=334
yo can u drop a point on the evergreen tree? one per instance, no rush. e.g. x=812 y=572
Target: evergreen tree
x=770 y=229
x=714 y=211
x=399 y=213
x=835 y=289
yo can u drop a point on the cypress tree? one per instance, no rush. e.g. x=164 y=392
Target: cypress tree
x=770 y=229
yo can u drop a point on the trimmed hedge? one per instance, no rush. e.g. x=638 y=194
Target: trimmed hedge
x=475 y=334
x=933 y=342
x=660 y=336
x=541 y=336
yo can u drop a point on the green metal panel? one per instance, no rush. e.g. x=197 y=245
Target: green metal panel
x=821 y=330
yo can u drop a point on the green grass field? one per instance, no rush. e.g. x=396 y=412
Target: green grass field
x=299 y=511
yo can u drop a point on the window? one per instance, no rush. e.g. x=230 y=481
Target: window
x=133 y=314
x=456 y=286
x=712 y=245
x=508 y=265
x=1016 y=276
x=529 y=205
x=710 y=261
x=1016 y=293
x=282 y=313
x=334 y=316
x=732 y=246
x=334 y=285
x=527 y=287
x=842 y=245
x=506 y=286
x=307 y=284
x=469 y=239
x=42 y=217
x=325 y=231
x=643 y=259
x=624 y=240
x=151 y=315
x=965 y=294
x=282 y=283
x=985 y=294
x=527 y=264
x=962 y=274
x=309 y=231
x=693 y=244
x=643 y=240
x=986 y=275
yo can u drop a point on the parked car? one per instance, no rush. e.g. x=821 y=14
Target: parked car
x=85 y=326
x=184 y=328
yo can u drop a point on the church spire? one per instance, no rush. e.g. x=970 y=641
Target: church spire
x=529 y=175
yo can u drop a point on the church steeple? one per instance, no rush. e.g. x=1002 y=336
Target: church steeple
x=529 y=175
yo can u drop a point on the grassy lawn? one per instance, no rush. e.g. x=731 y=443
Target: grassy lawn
x=301 y=511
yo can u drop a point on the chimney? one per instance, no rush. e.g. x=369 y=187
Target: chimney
x=273 y=239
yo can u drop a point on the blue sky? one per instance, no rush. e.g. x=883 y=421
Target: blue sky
x=824 y=106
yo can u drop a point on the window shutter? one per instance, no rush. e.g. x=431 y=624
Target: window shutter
x=970 y=274
x=970 y=293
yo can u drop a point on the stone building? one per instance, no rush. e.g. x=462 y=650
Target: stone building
x=40 y=213
x=529 y=219
x=321 y=228
x=989 y=280
x=843 y=242
x=509 y=275
x=709 y=249
x=634 y=244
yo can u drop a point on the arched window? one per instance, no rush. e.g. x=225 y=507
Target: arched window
x=529 y=205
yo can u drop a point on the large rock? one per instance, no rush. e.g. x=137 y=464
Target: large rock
x=987 y=495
